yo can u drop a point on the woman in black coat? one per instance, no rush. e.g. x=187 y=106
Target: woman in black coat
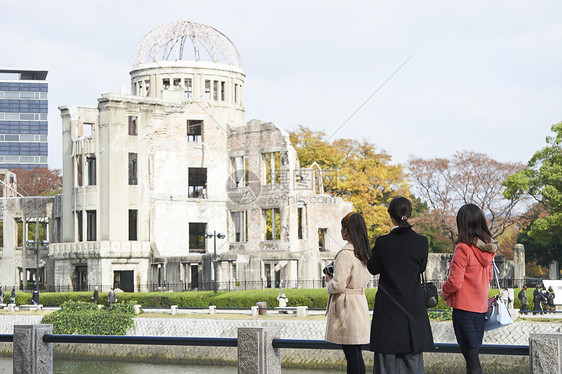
x=400 y=329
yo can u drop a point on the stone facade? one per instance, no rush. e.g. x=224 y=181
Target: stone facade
x=148 y=175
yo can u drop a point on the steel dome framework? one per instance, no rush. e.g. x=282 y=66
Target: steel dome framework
x=170 y=42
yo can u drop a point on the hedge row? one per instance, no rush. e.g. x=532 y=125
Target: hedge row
x=86 y=319
x=313 y=298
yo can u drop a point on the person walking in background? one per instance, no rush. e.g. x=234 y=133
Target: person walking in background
x=35 y=297
x=13 y=295
x=111 y=299
x=524 y=300
x=347 y=310
x=1 y=294
x=96 y=296
x=466 y=288
x=400 y=329
x=537 y=299
x=550 y=299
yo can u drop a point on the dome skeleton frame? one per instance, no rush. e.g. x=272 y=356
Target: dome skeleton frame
x=168 y=43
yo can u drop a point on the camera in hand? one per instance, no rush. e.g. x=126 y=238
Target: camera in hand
x=329 y=270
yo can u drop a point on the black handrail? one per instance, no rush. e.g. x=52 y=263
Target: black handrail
x=144 y=340
x=7 y=338
x=492 y=349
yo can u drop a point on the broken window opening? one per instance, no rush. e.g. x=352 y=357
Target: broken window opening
x=197 y=237
x=216 y=90
x=223 y=85
x=133 y=125
x=79 y=226
x=272 y=219
x=147 y=85
x=177 y=82
x=30 y=237
x=240 y=171
x=91 y=170
x=87 y=129
x=79 y=171
x=166 y=83
x=132 y=169
x=236 y=93
x=240 y=226
x=272 y=167
x=194 y=130
x=207 y=90
x=91 y=225
x=133 y=224
x=139 y=88
x=322 y=236
x=197 y=187
x=300 y=218
x=19 y=229
x=188 y=89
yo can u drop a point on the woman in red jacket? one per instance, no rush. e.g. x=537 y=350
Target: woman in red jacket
x=470 y=274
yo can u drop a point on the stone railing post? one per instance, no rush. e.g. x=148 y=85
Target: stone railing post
x=256 y=354
x=31 y=354
x=545 y=353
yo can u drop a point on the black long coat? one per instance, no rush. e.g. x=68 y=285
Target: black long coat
x=400 y=323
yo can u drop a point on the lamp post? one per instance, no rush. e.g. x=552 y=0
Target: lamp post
x=214 y=235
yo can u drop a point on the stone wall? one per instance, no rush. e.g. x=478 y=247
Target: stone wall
x=515 y=334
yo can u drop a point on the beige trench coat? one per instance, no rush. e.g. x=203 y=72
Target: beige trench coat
x=348 y=313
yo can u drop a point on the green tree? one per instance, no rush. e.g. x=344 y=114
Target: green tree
x=542 y=180
x=355 y=171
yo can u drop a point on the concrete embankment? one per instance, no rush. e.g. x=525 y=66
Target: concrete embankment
x=517 y=333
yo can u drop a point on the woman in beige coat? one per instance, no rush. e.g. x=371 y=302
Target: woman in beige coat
x=348 y=312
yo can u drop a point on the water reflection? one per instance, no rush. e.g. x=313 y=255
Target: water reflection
x=120 y=367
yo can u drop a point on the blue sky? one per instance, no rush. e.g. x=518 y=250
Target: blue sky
x=485 y=76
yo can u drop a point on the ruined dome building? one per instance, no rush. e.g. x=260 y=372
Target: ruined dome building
x=148 y=175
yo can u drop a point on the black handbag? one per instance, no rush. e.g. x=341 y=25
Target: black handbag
x=429 y=292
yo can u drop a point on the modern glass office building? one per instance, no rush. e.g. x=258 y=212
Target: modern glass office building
x=23 y=118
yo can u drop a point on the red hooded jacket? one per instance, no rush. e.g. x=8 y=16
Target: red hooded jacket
x=470 y=275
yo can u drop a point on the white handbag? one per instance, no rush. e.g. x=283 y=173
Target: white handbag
x=497 y=315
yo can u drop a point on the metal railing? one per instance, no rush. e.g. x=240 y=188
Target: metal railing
x=249 y=285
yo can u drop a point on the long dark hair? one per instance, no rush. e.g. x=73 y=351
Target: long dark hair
x=472 y=225
x=400 y=209
x=355 y=225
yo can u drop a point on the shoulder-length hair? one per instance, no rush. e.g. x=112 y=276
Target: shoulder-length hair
x=357 y=229
x=472 y=225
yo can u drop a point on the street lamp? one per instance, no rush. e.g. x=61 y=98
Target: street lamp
x=214 y=235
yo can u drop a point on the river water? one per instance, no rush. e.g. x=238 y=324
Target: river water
x=120 y=367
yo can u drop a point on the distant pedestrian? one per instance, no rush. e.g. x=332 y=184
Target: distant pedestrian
x=524 y=300
x=35 y=297
x=96 y=296
x=1 y=294
x=13 y=295
x=550 y=299
x=510 y=298
x=111 y=299
x=537 y=299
